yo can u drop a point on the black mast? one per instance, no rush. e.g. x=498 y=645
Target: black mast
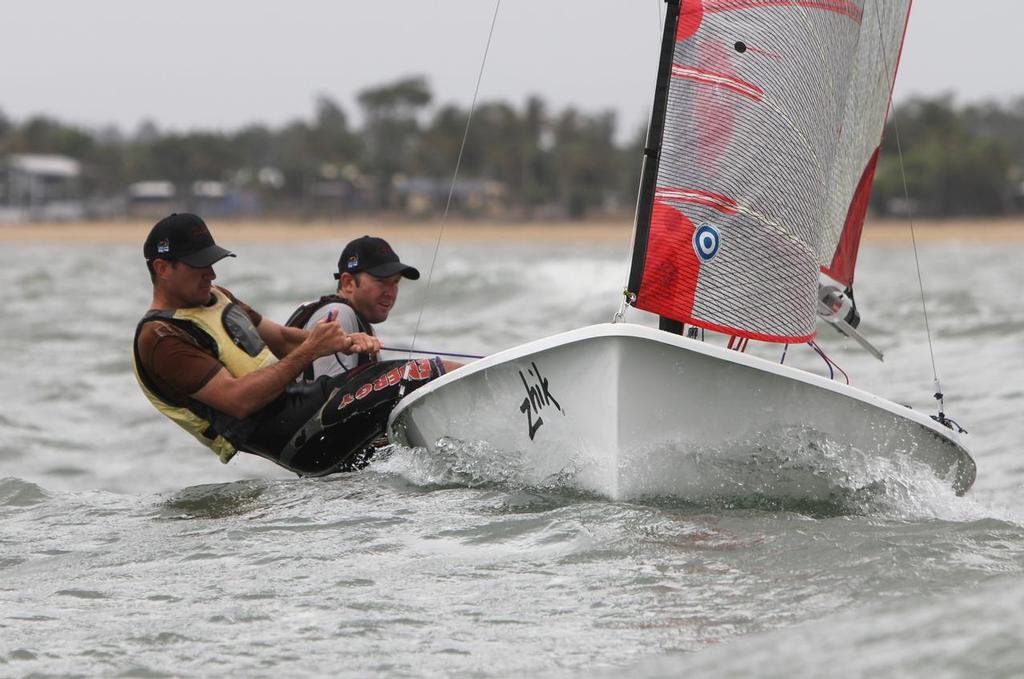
x=652 y=155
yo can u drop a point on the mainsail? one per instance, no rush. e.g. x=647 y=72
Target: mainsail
x=760 y=158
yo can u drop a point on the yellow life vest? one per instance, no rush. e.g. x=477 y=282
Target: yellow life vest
x=234 y=342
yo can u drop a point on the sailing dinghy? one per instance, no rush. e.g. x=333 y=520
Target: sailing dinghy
x=761 y=153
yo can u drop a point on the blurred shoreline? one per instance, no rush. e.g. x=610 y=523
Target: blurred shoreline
x=895 y=232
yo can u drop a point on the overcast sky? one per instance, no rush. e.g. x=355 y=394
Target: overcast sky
x=224 y=63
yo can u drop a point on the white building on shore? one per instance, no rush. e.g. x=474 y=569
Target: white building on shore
x=40 y=188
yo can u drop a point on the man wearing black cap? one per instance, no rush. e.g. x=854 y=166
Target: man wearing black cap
x=226 y=374
x=369 y=272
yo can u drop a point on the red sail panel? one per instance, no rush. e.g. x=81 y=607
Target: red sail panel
x=691 y=14
x=845 y=259
x=672 y=267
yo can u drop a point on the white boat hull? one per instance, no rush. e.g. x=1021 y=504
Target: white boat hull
x=626 y=411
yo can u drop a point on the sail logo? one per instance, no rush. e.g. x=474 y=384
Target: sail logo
x=538 y=398
x=706 y=241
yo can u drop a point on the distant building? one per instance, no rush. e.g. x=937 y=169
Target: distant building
x=424 y=196
x=210 y=198
x=151 y=199
x=37 y=187
x=334 y=191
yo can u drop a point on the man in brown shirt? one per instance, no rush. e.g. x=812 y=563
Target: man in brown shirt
x=227 y=375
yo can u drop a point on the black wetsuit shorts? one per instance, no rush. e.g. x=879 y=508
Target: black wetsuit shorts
x=330 y=425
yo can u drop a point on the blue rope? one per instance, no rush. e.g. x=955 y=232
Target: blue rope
x=429 y=352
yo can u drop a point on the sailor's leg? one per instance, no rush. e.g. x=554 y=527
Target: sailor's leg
x=340 y=436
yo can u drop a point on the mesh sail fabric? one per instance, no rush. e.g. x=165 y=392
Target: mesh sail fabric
x=761 y=140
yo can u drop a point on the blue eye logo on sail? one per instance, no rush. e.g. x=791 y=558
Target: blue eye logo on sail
x=706 y=241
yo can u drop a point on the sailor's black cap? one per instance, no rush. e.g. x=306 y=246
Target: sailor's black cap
x=185 y=238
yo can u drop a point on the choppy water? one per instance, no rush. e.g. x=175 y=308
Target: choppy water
x=127 y=550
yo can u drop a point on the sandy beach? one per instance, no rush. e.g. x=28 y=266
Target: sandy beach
x=233 y=231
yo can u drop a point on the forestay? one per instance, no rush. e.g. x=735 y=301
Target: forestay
x=762 y=149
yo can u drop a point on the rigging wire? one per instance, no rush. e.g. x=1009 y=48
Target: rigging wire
x=455 y=175
x=913 y=235
x=917 y=260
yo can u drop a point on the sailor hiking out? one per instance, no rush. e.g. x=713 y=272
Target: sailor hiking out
x=227 y=374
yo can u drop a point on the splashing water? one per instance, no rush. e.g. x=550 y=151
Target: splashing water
x=796 y=469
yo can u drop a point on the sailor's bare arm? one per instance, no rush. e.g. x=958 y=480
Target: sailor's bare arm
x=242 y=396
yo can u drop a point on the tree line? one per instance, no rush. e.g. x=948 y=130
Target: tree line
x=955 y=160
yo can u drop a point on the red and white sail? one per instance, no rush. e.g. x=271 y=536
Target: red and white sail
x=763 y=146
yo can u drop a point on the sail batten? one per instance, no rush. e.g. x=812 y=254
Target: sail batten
x=764 y=138
x=698 y=197
x=719 y=80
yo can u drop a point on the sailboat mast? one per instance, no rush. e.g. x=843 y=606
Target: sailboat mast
x=652 y=150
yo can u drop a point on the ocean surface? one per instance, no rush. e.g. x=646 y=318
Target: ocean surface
x=127 y=550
